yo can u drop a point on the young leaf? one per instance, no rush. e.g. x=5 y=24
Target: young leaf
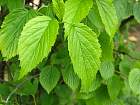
x=11 y=30
x=47 y=11
x=107 y=69
x=85 y=53
x=58 y=7
x=134 y=80
x=108 y=15
x=37 y=38
x=75 y=11
x=49 y=77
x=136 y=11
x=70 y=78
x=114 y=86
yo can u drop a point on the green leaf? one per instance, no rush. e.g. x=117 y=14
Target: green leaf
x=37 y=38
x=100 y=97
x=114 y=85
x=125 y=66
x=95 y=18
x=4 y=90
x=28 y=88
x=107 y=66
x=108 y=15
x=107 y=69
x=125 y=7
x=11 y=30
x=14 y=4
x=95 y=85
x=59 y=8
x=2 y=2
x=106 y=46
x=70 y=78
x=49 y=77
x=75 y=11
x=134 y=80
x=136 y=11
x=85 y=53
x=65 y=95
x=46 y=10
x=49 y=97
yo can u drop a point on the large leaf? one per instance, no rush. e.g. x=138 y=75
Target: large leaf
x=58 y=6
x=134 y=80
x=14 y=4
x=37 y=38
x=70 y=78
x=75 y=11
x=114 y=85
x=108 y=15
x=125 y=7
x=49 y=77
x=11 y=30
x=136 y=11
x=85 y=53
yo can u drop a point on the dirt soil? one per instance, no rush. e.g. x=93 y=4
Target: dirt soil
x=134 y=35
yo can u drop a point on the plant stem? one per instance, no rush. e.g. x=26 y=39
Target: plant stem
x=34 y=100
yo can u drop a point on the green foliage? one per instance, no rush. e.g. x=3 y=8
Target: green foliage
x=136 y=10
x=134 y=80
x=11 y=31
x=14 y=4
x=46 y=10
x=85 y=53
x=70 y=78
x=69 y=52
x=107 y=69
x=108 y=15
x=37 y=44
x=49 y=77
x=75 y=11
x=126 y=9
x=114 y=86
x=59 y=8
